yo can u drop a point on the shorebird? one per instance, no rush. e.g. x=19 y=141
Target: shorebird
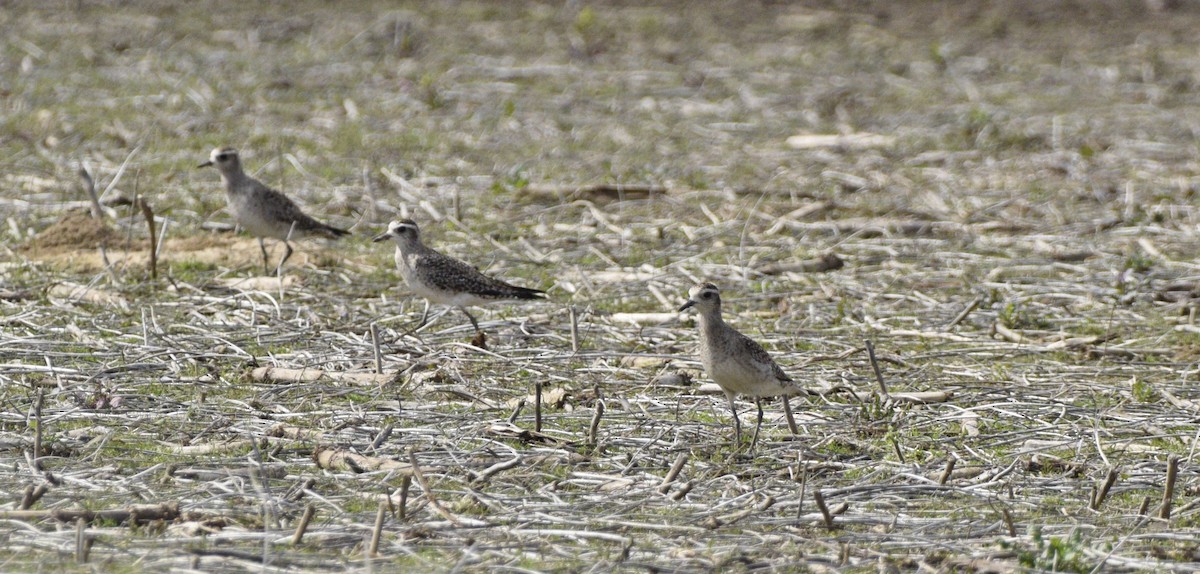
x=262 y=211
x=443 y=279
x=736 y=363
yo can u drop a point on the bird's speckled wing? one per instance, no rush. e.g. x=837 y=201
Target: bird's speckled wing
x=283 y=209
x=449 y=274
x=759 y=355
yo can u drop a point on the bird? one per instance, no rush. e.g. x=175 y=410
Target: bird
x=443 y=279
x=262 y=211
x=736 y=363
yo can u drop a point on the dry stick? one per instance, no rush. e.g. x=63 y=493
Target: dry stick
x=375 y=345
x=37 y=433
x=149 y=215
x=405 y=484
x=791 y=419
x=309 y=512
x=437 y=506
x=673 y=473
x=1008 y=522
x=963 y=314
x=1109 y=481
x=594 y=429
x=382 y=436
x=81 y=545
x=896 y=447
x=803 y=486
x=1169 y=489
x=682 y=491
x=875 y=367
x=537 y=407
x=947 y=471
x=512 y=418
x=32 y=495
x=1145 y=507
x=574 y=329
x=820 y=500
x=89 y=185
x=377 y=532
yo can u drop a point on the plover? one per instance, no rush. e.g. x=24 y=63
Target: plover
x=735 y=362
x=443 y=279
x=262 y=211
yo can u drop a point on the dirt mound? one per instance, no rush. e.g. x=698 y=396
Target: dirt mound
x=76 y=230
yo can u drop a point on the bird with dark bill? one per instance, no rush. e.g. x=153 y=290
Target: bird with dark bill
x=264 y=212
x=443 y=279
x=735 y=362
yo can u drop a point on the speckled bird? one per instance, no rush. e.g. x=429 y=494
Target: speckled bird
x=443 y=279
x=735 y=362
x=264 y=212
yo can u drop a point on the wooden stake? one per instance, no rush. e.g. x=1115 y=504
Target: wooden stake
x=574 y=329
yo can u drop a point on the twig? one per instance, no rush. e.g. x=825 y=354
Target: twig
x=574 y=329
x=405 y=485
x=377 y=532
x=875 y=367
x=1109 y=481
x=1008 y=522
x=309 y=512
x=950 y=462
x=963 y=314
x=433 y=501
x=149 y=215
x=83 y=544
x=382 y=436
x=594 y=428
x=537 y=407
x=791 y=419
x=89 y=185
x=37 y=432
x=820 y=500
x=1169 y=488
x=673 y=473
x=375 y=347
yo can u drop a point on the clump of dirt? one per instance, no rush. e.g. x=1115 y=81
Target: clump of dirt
x=76 y=230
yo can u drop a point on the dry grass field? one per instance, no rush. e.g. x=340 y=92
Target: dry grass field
x=1000 y=196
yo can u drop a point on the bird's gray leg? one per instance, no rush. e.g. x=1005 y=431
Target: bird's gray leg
x=288 y=250
x=263 y=247
x=791 y=420
x=754 y=441
x=737 y=424
x=473 y=322
x=287 y=253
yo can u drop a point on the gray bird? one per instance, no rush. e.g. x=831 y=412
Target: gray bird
x=735 y=362
x=262 y=211
x=443 y=279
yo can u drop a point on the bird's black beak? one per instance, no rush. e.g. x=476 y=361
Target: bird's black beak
x=382 y=237
x=686 y=305
x=205 y=164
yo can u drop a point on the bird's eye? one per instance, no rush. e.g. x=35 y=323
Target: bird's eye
x=222 y=157
x=706 y=295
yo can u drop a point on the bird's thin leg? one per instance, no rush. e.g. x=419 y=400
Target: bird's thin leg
x=287 y=253
x=791 y=420
x=757 y=426
x=737 y=424
x=473 y=322
x=263 y=247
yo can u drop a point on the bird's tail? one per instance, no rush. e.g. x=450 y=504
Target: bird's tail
x=331 y=231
